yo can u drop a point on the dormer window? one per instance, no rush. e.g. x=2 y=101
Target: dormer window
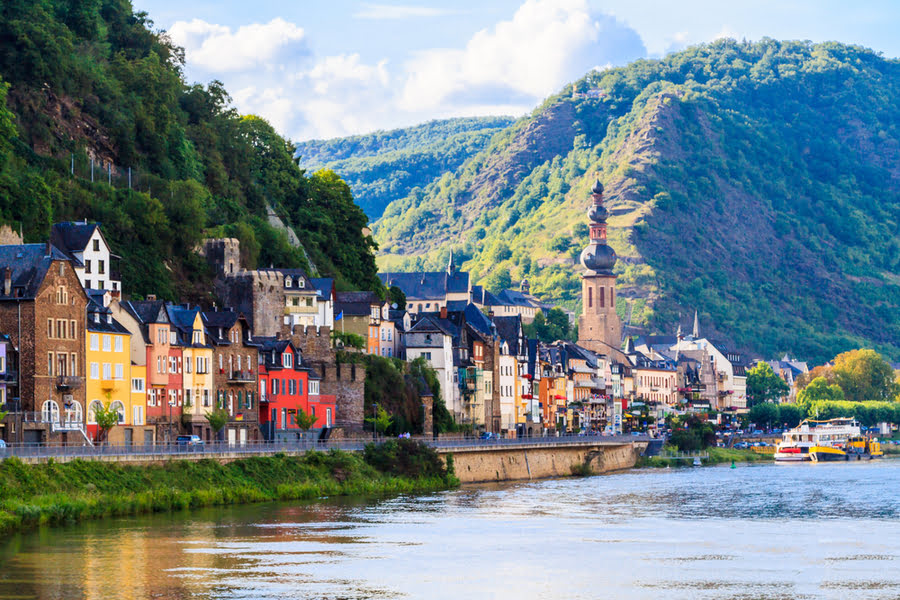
x=96 y=317
x=109 y=319
x=300 y=283
x=287 y=282
x=287 y=360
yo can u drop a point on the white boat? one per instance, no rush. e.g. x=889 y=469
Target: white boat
x=818 y=440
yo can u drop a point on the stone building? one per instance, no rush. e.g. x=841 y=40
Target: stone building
x=599 y=327
x=43 y=310
x=235 y=372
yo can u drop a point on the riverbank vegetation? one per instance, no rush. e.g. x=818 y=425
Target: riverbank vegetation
x=59 y=493
x=716 y=456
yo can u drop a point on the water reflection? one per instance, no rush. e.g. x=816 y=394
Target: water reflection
x=822 y=531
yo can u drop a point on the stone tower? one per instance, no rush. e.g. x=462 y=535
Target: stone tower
x=598 y=324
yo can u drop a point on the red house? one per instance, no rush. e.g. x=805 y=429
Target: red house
x=283 y=388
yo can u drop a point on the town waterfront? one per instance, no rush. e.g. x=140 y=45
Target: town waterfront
x=763 y=531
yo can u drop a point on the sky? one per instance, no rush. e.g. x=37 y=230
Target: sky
x=319 y=69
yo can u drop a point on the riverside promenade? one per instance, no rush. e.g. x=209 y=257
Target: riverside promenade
x=475 y=460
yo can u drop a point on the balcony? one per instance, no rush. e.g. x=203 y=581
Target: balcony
x=241 y=377
x=68 y=382
x=9 y=377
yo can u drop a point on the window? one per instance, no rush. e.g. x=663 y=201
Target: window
x=96 y=245
x=205 y=397
x=61 y=329
x=119 y=374
x=137 y=384
x=95 y=342
x=73 y=364
x=301 y=283
x=49 y=328
x=314 y=388
x=118 y=343
x=107 y=343
x=50 y=412
x=188 y=364
x=187 y=396
x=427 y=355
x=138 y=418
x=73 y=329
x=287 y=282
x=162 y=335
x=287 y=360
x=87 y=267
x=101 y=267
x=50 y=364
x=198 y=337
x=173 y=365
x=173 y=339
x=300 y=387
x=107 y=371
x=62 y=295
x=120 y=409
x=87 y=283
x=95 y=370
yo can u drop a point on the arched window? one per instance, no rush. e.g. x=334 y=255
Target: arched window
x=50 y=412
x=94 y=406
x=73 y=412
x=119 y=408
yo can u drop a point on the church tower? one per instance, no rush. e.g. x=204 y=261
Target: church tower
x=598 y=321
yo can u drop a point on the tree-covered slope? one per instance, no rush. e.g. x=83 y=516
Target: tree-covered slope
x=92 y=79
x=386 y=165
x=756 y=182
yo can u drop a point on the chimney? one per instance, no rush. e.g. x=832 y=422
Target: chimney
x=443 y=312
x=7 y=281
x=151 y=297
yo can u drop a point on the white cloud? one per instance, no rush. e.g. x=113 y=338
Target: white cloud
x=505 y=69
x=726 y=32
x=546 y=44
x=215 y=48
x=393 y=11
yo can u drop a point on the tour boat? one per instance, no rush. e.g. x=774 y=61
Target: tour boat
x=835 y=439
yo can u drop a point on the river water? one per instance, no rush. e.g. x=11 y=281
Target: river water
x=754 y=532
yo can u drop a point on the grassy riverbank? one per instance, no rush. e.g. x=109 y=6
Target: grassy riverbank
x=716 y=456
x=60 y=493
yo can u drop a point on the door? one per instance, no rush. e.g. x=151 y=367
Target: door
x=243 y=437
x=129 y=436
x=231 y=437
x=148 y=437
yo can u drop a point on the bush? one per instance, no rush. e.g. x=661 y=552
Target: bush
x=405 y=458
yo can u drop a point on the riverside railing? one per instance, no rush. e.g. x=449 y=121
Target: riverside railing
x=219 y=448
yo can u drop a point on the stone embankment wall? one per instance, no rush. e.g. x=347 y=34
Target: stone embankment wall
x=480 y=465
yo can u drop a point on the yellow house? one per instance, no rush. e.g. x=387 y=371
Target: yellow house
x=197 y=376
x=109 y=379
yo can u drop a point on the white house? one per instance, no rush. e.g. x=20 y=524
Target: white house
x=84 y=243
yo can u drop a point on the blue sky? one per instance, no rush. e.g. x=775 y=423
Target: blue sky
x=324 y=69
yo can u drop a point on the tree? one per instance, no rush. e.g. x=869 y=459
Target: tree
x=820 y=389
x=348 y=340
x=106 y=418
x=304 y=420
x=763 y=385
x=554 y=326
x=791 y=414
x=764 y=413
x=865 y=375
x=217 y=419
x=381 y=421
x=396 y=296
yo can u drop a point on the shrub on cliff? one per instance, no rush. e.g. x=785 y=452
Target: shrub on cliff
x=405 y=458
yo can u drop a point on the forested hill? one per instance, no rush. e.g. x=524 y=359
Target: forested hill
x=383 y=166
x=756 y=182
x=81 y=80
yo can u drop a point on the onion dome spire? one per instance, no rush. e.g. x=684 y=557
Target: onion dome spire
x=598 y=257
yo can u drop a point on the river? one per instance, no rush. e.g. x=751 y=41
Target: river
x=754 y=532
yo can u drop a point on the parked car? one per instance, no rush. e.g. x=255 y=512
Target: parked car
x=2 y=444
x=488 y=435
x=189 y=440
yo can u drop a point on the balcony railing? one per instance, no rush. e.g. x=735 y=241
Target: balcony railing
x=241 y=377
x=68 y=382
x=9 y=377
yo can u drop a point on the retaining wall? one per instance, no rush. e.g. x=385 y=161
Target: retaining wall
x=479 y=465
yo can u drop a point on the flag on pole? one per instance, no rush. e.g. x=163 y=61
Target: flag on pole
x=339 y=316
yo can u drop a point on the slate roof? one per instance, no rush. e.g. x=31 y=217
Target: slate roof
x=508 y=329
x=484 y=297
x=71 y=237
x=427 y=285
x=28 y=264
x=478 y=320
x=270 y=344
x=324 y=285
x=182 y=319
x=355 y=304
x=105 y=323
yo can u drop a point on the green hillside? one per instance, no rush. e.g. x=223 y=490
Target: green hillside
x=383 y=166
x=756 y=182
x=92 y=79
